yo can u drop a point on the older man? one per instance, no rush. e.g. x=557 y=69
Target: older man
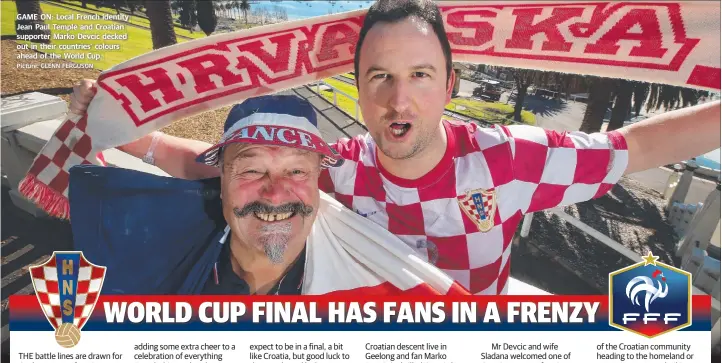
x=270 y=158
x=454 y=191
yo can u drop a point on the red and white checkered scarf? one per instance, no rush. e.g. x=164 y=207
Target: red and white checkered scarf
x=675 y=43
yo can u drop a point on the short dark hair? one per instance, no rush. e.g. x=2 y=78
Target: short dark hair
x=391 y=11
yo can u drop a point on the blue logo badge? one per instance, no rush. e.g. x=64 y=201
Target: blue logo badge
x=650 y=298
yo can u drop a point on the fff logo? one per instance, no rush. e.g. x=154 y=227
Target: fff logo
x=650 y=298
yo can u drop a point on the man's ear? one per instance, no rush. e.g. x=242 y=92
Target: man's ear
x=450 y=85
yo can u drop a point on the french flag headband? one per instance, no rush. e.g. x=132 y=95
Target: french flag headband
x=278 y=120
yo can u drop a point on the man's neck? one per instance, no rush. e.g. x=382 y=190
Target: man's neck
x=256 y=269
x=420 y=164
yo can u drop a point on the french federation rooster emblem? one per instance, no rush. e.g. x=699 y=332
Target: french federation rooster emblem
x=645 y=285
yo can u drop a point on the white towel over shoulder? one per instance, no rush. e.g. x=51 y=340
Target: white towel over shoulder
x=347 y=253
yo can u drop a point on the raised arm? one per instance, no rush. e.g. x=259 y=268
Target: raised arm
x=561 y=168
x=174 y=155
x=673 y=136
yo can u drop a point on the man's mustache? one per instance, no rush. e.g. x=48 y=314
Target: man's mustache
x=258 y=207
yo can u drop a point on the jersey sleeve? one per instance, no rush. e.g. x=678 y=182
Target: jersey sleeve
x=325 y=181
x=333 y=179
x=556 y=168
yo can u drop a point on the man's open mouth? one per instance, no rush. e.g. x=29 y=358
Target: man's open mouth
x=273 y=217
x=400 y=129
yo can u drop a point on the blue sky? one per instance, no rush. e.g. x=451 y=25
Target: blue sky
x=307 y=9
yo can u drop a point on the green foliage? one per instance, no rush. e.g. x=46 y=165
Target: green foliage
x=207 y=18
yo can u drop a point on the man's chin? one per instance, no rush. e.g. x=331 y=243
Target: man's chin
x=399 y=152
x=275 y=246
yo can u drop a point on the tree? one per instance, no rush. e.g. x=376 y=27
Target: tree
x=672 y=97
x=641 y=92
x=523 y=78
x=188 y=15
x=33 y=29
x=228 y=7
x=600 y=93
x=162 y=29
x=207 y=18
x=245 y=7
x=622 y=104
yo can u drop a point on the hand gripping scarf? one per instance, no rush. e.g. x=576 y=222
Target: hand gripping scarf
x=676 y=43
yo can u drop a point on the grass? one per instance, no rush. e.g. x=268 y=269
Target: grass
x=138 y=42
x=346 y=104
x=137 y=20
x=494 y=112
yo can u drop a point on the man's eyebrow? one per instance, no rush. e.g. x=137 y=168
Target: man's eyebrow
x=238 y=156
x=424 y=66
x=245 y=154
x=301 y=152
x=374 y=69
x=416 y=67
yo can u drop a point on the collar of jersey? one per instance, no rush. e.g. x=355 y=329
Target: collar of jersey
x=432 y=176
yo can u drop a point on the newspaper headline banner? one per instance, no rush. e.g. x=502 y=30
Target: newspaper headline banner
x=311 y=313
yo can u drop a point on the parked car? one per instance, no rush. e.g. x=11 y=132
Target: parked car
x=489 y=90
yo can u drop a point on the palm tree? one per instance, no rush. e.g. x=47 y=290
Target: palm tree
x=245 y=7
x=228 y=7
x=672 y=97
x=622 y=104
x=188 y=16
x=207 y=18
x=161 y=23
x=30 y=9
x=600 y=94
x=641 y=92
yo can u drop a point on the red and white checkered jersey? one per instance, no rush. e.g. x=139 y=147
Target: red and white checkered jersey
x=463 y=214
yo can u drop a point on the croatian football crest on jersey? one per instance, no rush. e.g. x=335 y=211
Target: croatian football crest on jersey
x=67 y=287
x=650 y=298
x=480 y=206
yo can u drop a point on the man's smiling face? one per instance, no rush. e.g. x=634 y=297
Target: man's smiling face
x=270 y=197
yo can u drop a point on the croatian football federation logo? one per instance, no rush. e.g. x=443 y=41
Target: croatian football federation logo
x=480 y=206
x=67 y=287
x=650 y=298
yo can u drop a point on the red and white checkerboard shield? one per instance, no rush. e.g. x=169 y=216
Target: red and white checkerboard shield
x=480 y=206
x=63 y=297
